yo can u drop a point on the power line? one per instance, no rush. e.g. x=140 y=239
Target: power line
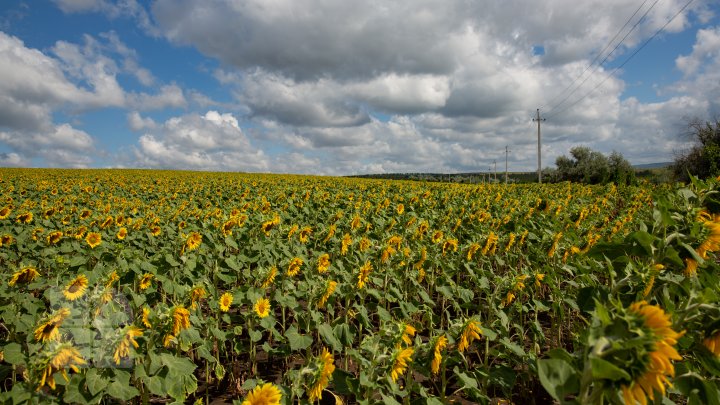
x=640 y=20
x=626 y=60
x=600 y=53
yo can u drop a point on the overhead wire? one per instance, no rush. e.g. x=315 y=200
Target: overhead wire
x=637 y=23
x=626 y=60
x=599 y=54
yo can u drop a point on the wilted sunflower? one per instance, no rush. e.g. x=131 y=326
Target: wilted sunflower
x=193 y=241
x=123 y=348
x=324 y=365
x=93 y=239
x=470 y=332
x=196 y=294
x=401 y=358
x=262 y=307
x=225 y=301
x=266 y=394
x=49 y=330
x=24 y=275
x=61 y=357
x=76 y=288
x=440 y=344
x=145 y=281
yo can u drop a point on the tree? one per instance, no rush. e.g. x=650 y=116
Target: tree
x=702 y=159
x=591 y=167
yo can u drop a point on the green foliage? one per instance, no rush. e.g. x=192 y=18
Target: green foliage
x=591 y=167
x=703 y=159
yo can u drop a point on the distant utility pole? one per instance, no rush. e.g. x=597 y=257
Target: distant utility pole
x=506 y=157
x=538 y=119
x=495 y=169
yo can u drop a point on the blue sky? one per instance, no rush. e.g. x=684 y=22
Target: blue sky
x=305 y=86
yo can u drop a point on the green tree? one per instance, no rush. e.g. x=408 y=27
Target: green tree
x=702 y=159
x=591 y=167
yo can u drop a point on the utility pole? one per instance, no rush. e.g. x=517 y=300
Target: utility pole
x=495 y=169
x=506 y=157
x=538 y=119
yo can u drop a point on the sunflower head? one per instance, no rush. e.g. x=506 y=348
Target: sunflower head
x=225 y=301
x=265 y=394
x=262 y=307
x=76 y=288
x=93 y=239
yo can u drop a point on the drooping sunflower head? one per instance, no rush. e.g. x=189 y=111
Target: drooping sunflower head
x=643 y=346
x=294 y=266
x=76 y=288
x=401 y=359
x=58 y=357
x=181 y=319
x=324 y=366
x=24 y=276
x=146 y=281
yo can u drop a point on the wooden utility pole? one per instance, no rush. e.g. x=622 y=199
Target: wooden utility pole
x=495 y=169
x=538 y=119
x=506 y=157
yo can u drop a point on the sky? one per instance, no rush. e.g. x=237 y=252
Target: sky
x=340 y=88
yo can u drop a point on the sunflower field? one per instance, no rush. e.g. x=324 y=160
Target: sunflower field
x=145 y=287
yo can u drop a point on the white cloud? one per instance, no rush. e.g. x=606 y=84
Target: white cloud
x=137 y=123
x=63 y=146
x=213 y=141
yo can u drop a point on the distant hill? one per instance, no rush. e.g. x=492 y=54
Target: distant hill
x=661 y=165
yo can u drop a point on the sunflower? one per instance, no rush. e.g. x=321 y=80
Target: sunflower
x=24 y=275
x=345 y=244
x=511 y=242
x=471 y=331
x=93 y=239
x=6 y=240
x=401 y=359
x=712 y=343
x=323 y=263
x=437 y=236
x=556 y=239
x=294 y=266
x=304 y=234
x=54 y=237
x=196 y=294
x=225 y=301
x=227 y=227
x=270 y=278
x=328 y=292
x=145 y=319
x=122 y=233
x=364 y=274
x=325 y=365
x=292 y=231
x=408 y=331
x=490 y=244
x=76 y=288
x=364 y=244
x=400 y=209
x=193 y=241
x=48 y=330
x=146 y=281
x=331 y=233
x=85 y=214
x=262 y=307
x=653 y=377
x=267 y=226
x=155 y=230
x=450 y=244
x=25 y=217
x=266 y=394
x=181 y=319
x=107 y=222
x=440 y=344
x=123 y=348
x=64 y=355
x=472 y=250
x=5 y=212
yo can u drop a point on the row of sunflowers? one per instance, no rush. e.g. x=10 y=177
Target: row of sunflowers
x=145 y=286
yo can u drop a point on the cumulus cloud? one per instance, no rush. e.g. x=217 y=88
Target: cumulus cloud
x=213 y=141
x=137 y=123
x=63 y=146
